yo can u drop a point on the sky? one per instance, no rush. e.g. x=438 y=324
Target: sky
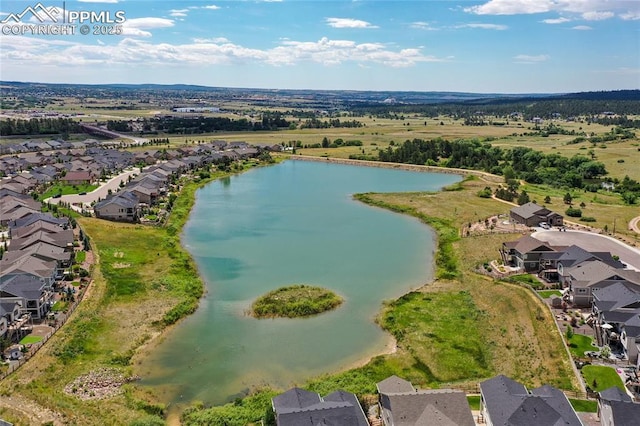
x=486 y=46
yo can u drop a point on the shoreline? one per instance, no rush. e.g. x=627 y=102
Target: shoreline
x=174 y=412
x=397 y=166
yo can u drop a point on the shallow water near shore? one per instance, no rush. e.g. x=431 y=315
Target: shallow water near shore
x=294 y=222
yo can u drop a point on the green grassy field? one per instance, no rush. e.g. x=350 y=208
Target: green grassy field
x=579 y=344
x=599 y=378
x=545 y=294
x=60 y=189
x=28 y=340
x=584 y=406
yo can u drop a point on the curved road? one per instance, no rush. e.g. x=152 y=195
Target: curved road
x=592 y=242
x=634 y=225
x=101 y=192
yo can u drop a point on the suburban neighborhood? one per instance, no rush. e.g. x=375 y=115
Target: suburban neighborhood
x=41 y=271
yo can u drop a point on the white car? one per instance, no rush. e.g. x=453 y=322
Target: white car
x=544 y=225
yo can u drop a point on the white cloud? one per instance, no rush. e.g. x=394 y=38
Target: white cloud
x=582 y=28
x=348 y=23
x=210 y=7
x=178 y=12
x=419 y=25
x=211 y=40
x=202 y=52
x=631 y=15
x=597 y=16
x=531 y=59
x=556 y=21
x=517 y=7
x=484 y=26
x=511 y=7
x=135 y=27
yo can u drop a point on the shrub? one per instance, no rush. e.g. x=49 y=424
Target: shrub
x=587 y=219
x=573 y=212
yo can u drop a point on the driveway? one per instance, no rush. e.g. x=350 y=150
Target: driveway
x=592 y=242
x=101 y=192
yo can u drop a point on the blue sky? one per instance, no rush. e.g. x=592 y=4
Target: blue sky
x=503 y=46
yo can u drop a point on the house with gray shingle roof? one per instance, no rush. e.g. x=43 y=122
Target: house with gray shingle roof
x=33 y=294
x=531 y=214
x=616 y=408
x=121 y=207
x=403 y=405
x=618 y=306
x=298 y=407
x=505 y=402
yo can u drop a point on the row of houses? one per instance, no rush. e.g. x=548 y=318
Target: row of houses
x=591 y=279
x=154 y=181
x=39 y=252
x=503 y=401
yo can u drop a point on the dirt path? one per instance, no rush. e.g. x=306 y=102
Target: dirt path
x=634 y=225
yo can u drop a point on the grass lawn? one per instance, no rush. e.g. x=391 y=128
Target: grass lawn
x=27 y=340
x=81 y=256
x=66 y=190
x=545 y=294
x=474 y=402
x=584 y=406
x=599 y=378
x=59 y=306
x=579 y=344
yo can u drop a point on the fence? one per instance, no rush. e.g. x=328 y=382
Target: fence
x=35 y=347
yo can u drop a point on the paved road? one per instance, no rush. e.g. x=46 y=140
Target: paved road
x=101 y=192
x=592 y=242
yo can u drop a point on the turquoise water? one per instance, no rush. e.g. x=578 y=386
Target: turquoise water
x=295 y=222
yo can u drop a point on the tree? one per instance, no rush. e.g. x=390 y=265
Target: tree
x=523 y=198
x=547 y=200
x=567 y=198
x=569 y=333
x=325 y=142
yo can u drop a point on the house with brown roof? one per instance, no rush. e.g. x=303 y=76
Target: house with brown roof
x=531 y=214
x=78 y=177
x=403 y=405
x=525 y=253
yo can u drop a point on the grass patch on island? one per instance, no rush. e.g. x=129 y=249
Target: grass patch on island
x=295 y=301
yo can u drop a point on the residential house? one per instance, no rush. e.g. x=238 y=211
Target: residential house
x=403 y=405
x=298 y=407
x=121 y=207
x=43 y=251
x=9 y=312
x=525 y=253
x=32 y=294
x=531 y=214
x=582 y=278
x=36 y=227
x=37 y=217
x=12 y=208
x=616 y=308
x=616 y=408
x=507 y=402
x=573 y=256
x=79 y=177
x=43 y=270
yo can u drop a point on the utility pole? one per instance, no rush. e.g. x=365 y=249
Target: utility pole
x=614 y=226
